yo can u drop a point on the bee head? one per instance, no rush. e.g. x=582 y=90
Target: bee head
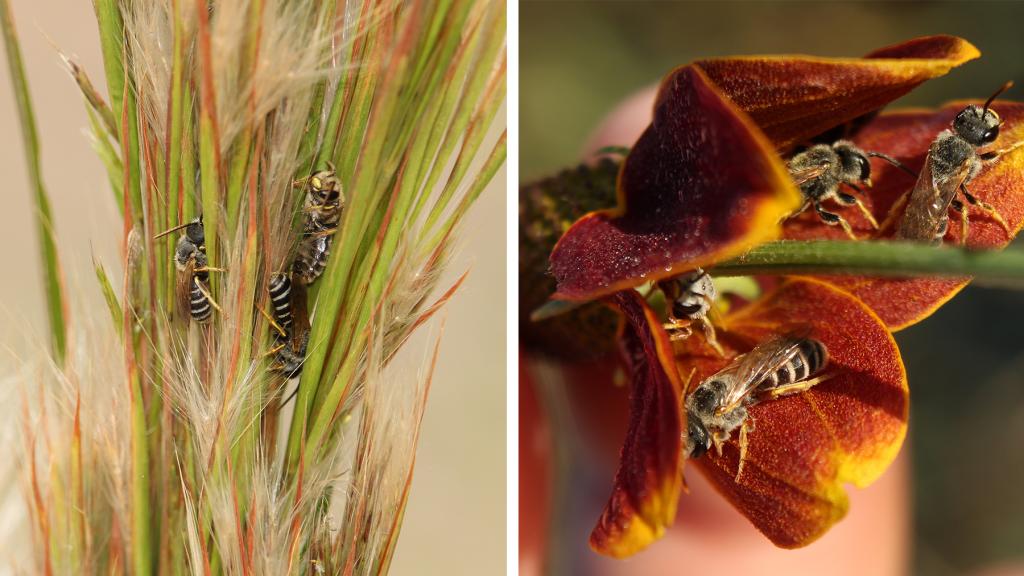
x=325 y=187
x=697 y=438
x=195 y=233
x=977 y=125
x=855 y=166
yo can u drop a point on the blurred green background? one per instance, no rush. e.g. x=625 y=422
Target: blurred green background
x=966 y=362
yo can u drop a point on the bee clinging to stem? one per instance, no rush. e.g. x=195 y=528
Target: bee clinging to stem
x=785 y=365
x=953 y=161
x=321 y=215
x=690 y=297
x=821 y=170
x=192 y=286
x=290 y=323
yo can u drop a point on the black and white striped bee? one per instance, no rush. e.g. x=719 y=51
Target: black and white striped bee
x=782 y=366
x=192 y=287
x=291 y=325
x=322 y=213
x=690 y=297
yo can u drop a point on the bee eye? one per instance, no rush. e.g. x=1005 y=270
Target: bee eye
x=990 y=135
x=865 y=168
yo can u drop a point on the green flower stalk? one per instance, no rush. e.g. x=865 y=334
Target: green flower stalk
x=184 y=452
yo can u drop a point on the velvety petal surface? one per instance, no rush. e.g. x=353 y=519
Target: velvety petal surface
x=794 y=98
x=906 y=136
x=804 y=447
x=701 y=184
x=647 y=484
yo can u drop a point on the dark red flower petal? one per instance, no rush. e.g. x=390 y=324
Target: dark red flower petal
x=794 y=98
x=702 y=184
x=907 y=135
x=804 y=447
x=649 y=478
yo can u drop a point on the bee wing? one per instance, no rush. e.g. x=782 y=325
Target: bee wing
x=300 y=317
x=750 y=370
x=929 y=201
x=183 y=287
x=801 y=177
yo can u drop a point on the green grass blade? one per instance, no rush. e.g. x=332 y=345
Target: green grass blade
x=116 y=313
x=1003 y=268
x=55 y=304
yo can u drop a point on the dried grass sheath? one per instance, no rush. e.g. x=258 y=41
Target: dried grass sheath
x=162 y=443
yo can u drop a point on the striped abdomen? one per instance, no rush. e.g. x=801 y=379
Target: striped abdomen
x=280 y=299
x=810 y=357
x=311 y=259
x=199 y=304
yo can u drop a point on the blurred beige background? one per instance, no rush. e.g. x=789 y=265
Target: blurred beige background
x=455 y=522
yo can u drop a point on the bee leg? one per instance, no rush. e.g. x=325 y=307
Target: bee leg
x=847 y=200
x=273 y=323
x=958 y=207
x=322 y=233
x=717 y=441
x=995 y=154
x=209 y=297
x=807 y=204
x=895 y=210
x=796 y=387
x=686 y=385
x=709 y=335
x=986 y=208
x=274 y=350
x=209 y=269
x=678 y=329
x=833 y=219
x=744 y=442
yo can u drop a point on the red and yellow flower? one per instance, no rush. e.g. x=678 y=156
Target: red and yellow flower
x=706 y=182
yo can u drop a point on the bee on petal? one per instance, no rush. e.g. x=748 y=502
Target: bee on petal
x=820 y=172
x=782 y=366
x=690 y=297
x=953 y=161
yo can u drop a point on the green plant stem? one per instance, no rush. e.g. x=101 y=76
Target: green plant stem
x=1003 y=268
x=44 y=217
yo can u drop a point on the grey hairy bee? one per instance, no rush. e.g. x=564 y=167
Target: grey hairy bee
x=953 y=161
x=690 y=297
x=820 y=172
x=782 y=366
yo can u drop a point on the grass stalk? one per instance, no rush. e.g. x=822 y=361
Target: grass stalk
x=52 y=275
x=1002 y=268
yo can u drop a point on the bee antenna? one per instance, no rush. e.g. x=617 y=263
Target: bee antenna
x=1004 y=88
x=892 y=161
x=170 y=230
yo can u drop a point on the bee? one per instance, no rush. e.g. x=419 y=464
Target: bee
x=322 y=213
x=819 y=172
x=192 y=287
x=953 y=161
x=691 y=297
x=782 y=366
x=290 y=323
